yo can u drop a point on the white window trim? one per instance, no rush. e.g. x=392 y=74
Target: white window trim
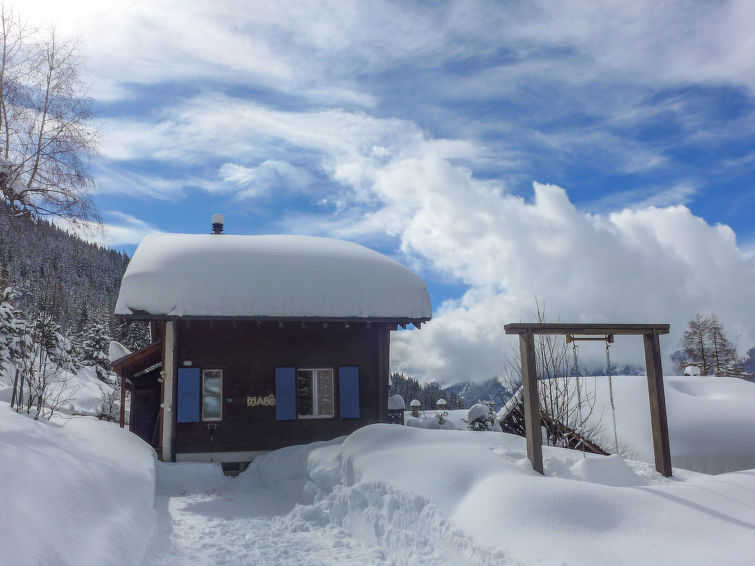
x=314 y=393
x=212 y=419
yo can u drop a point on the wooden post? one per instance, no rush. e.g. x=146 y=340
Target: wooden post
x=659 y=422
x=531 y=401
x=169 y=386
x=123 y=402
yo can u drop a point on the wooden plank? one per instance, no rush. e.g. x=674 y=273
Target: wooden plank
x=584 y=329
x=659 y=422
x=531 y=404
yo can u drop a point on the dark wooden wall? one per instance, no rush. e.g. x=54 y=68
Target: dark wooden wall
x=248 y=355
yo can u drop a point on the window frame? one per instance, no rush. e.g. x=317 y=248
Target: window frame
x=315 y=378
x=220 y=400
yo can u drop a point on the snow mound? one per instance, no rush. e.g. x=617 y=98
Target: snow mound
x=277 y=276
x=463 y=497
x=82 y=493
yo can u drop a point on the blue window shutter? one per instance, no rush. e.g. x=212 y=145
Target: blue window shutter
x=348 y=389
x=188 y=395
x=285 y=394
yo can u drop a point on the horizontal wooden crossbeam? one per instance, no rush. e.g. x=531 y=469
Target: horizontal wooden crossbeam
x=584 y=329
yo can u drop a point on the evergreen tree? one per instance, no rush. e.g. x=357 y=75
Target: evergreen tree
x=748 y=364
x=95 y=346
x=12 y=327
x=724 y=359
x=705 y=346
x=134 y=334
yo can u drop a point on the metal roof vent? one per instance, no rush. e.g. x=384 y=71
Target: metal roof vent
x=218 y=222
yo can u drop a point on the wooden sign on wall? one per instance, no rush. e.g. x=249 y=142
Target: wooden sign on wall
x=259 y=401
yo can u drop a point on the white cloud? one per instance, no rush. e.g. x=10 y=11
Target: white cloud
x=118 y=229
x=682 y=193
x=637 y=265
x=251 y=182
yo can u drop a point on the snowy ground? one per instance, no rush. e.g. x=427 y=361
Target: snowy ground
x=710 y=419
x=385 y=495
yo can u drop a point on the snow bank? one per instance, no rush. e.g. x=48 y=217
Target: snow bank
x=710 y=419
x=462 y=497
x=278 y=276
x=81 y=493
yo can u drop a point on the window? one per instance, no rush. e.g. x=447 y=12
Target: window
x=315 y=393
x=212 y=394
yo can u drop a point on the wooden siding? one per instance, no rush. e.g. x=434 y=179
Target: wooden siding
x=248 y=354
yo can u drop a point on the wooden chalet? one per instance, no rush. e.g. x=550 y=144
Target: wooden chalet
x=260 y=342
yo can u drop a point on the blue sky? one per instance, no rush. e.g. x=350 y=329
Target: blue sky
x=421 y=129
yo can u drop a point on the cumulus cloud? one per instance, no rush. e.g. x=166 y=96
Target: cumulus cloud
x=636 y=265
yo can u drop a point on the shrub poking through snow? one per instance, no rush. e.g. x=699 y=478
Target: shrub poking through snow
x=482 y=417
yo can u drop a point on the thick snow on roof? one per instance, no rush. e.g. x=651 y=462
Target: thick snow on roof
x=275 y=276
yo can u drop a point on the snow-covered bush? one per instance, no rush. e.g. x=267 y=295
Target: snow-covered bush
x=481 y=416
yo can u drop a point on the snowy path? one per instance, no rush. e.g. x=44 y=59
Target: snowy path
x=204 y=519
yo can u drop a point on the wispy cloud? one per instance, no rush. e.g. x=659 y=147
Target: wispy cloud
x=118 y=229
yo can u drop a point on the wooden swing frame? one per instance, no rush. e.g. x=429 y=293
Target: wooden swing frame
x=649 y=332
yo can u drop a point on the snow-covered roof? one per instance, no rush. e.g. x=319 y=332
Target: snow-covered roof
x=284 y=276
x=117 y=351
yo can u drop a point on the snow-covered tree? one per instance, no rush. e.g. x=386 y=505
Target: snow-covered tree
x=12 y=328
x=95 y=344
x=134 y=334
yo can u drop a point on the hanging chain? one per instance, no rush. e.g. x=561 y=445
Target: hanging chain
x=579 y=391
x=610 y=392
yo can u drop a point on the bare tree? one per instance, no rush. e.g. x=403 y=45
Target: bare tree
x=705 y=346
x=109 y=405
x=566 y=399
x=44 y=132
x=696 y=343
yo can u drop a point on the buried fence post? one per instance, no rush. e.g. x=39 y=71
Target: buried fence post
x=531 y=401
x=659 y=422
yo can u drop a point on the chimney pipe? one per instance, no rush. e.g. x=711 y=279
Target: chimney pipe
x=218 y=222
